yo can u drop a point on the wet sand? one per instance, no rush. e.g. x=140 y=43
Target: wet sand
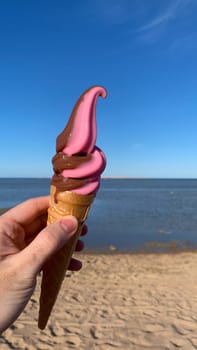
x=117 y=302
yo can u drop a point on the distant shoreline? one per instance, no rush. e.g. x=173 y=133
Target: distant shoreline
x=124 y=177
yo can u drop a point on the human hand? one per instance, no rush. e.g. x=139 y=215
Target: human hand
x=25 y=245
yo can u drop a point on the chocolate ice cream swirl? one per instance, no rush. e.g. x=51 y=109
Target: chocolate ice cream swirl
x=62 y=161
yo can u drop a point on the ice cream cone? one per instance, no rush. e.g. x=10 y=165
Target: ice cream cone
x=62 y=204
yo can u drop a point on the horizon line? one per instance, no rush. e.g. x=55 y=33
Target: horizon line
x=104 y=177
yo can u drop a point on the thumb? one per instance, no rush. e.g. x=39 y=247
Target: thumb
x=48 y=241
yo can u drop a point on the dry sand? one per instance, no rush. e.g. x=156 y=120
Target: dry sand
x=117 y=302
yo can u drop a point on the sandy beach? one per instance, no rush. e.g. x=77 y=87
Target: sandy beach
x=117 y=302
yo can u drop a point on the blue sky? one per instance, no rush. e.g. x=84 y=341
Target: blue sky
x=143 y=52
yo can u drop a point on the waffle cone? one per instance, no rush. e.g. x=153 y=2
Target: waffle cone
x=65 y=203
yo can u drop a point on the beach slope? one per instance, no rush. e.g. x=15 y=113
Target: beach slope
x=117 y=302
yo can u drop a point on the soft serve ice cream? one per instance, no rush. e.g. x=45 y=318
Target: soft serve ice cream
x=78 y=165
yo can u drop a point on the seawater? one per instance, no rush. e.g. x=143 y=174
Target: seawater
x=128 y=214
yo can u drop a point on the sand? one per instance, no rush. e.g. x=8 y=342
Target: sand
x=117 y=302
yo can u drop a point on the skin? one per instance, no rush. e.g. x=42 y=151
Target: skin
x=25 y=245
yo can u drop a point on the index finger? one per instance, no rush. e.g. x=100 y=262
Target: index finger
x=27 y=211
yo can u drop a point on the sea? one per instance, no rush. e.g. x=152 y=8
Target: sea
x=128 y=215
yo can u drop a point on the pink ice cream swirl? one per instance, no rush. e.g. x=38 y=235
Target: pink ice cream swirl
x=79 y=163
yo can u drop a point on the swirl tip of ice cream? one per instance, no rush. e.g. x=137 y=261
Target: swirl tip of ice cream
x=79 y=163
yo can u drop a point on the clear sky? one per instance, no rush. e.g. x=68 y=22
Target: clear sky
x=145 y=54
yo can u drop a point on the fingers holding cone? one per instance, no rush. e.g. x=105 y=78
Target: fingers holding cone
x=67 y=203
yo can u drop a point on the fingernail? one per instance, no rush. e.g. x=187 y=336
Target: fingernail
x=69 y=224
